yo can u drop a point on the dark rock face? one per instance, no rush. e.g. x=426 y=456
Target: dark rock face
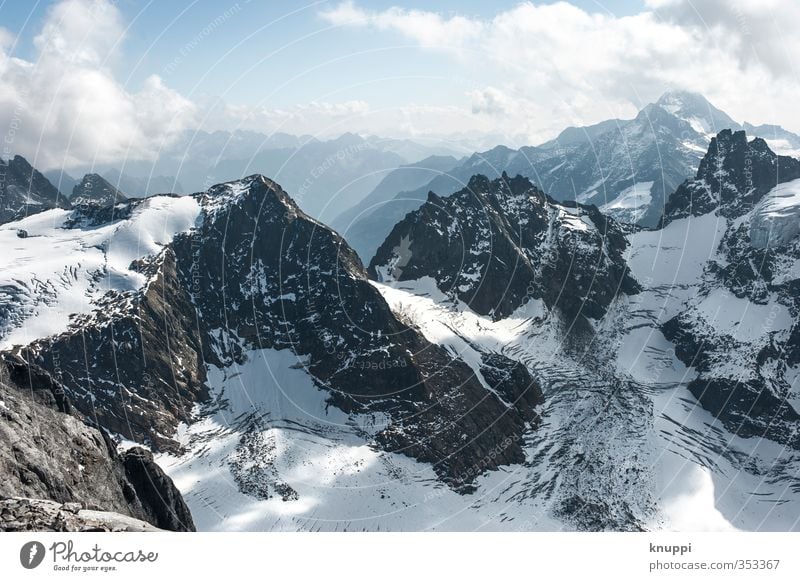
x=743 y=379
x=161 y=501
x=51 y=455
x=497 y=244
x=299 y=286
x=40 y=384
x=133 y=366
x=455 y=423
x=90 y=215
x=256 y=272
x=733 y=176
x=751 y=406
x=24 y=191
x=94 y=189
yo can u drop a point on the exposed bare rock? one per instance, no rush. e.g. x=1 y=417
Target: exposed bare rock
x=28 y=514
x=52 y=455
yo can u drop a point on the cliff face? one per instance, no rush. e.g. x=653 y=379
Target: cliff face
x=87 y=473
x=24 y=191
x=732 y=178
x=498 y=243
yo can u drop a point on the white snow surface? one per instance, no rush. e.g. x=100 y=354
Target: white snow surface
x=698 y=484
x=58 y=272
x=342 y=484
x=675 y=255
x=776 y=218
x=742 y=319
x=679 y=456
x=631 y=204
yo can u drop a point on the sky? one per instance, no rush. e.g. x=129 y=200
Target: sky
x=88 y=81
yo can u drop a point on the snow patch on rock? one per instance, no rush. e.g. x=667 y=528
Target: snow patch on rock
x=776 y=218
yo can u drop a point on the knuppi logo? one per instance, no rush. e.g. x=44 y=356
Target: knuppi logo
x=31 y=554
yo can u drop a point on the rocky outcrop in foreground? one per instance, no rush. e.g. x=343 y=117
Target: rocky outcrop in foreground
x=88 y=472
x=27 y=514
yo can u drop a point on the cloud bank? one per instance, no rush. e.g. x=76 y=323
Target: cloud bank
x=523 y=75
x=68 y=107
x=65 y=108
x=559 y=64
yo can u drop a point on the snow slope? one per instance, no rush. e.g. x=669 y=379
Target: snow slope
x=60 y=269
x=707 y=478
x=622 y=445
x=631 y=203
x=622 y=442
x=308 y=467
x=775 y=219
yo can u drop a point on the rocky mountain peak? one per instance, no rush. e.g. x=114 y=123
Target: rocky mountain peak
x=696 y=110
x=25 y=191
x=249 y=271
x=95 y=190
x=733 y=176
x=497 y=244
x=254 y=192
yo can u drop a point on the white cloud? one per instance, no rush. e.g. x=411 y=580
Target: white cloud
x=82 y=32
x=67 y=106
x=427 y=28
x=6 y=40
x=491 y=101
x=522 y=75
x=571 y=66
x=765 y=31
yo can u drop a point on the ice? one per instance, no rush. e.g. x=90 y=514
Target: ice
x=341 y=482
x=631 y=204
x=57 y=272
x=676 y=255
x=741 y=318
x=776 y=218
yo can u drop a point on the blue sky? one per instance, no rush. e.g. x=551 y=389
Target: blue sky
x=247 y=31
x=145 y=70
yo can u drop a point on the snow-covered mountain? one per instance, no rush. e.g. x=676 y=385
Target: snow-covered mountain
x=326 y=176
x=740 y=331
x=95 y=190
x=138 y=316
x=24 y=191
x=506 y=362
x=627 y=168
x=498 y=245
x=677 y=407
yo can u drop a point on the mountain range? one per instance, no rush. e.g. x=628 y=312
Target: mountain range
x=627 y=168
x=507 y=333
x=509 y=359
x=326 y=175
